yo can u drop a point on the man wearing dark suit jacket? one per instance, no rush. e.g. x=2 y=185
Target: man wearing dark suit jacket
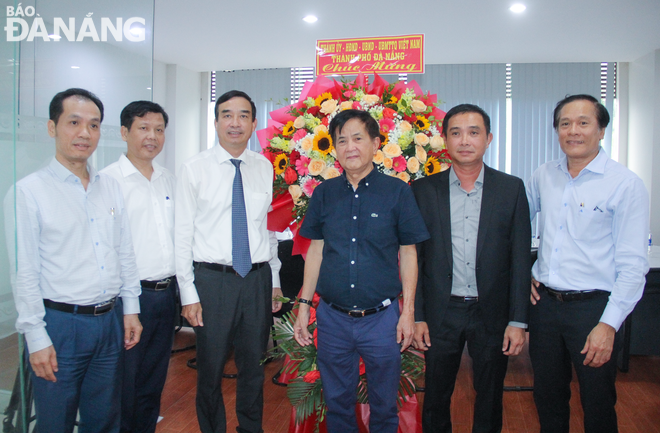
x=473 y=273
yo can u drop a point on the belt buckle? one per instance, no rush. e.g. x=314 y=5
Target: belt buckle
x=162 y=285
x=356 y=313
x=97 y=307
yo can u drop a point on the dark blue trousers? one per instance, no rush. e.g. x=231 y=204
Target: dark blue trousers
x=145 y=365
x=88 y=352
x=557 y=333
x=342 y=340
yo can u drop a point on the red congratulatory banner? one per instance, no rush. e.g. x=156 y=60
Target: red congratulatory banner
x=381 y=55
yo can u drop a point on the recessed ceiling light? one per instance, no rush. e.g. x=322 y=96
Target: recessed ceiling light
x=518 y=8
x=75 y=67
x=55 y=37
x=310 y=19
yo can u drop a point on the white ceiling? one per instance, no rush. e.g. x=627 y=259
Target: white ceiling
x=205 y=35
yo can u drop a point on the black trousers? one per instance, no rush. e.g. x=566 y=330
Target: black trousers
x=462 y=322
x=557 y=334
x=236 y=313
x=145 y=365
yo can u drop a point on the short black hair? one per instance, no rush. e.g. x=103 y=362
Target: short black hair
x=140 y=109
x=338 y=122
x=465 y=108
x=602 y=115
x=235 y=94
x=57 y=103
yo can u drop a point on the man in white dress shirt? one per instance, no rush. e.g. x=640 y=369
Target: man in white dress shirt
x=228 y=278
x=593 y=223
x=148 y=190
x=76 y=275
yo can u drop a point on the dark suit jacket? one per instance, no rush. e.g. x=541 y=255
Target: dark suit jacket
x=503 y=264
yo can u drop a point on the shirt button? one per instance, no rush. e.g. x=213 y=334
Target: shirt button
x=353 y=239
x=467 y=240
x=556 y=250
x=565 y=204
x=561 y=227
x=468 y=263
x=102 y=267
x=352 y=286
x=367 y=183
x=92 y=220
x=354 y=217
x=352 y=262
x=356 y=196
x=97 y=243
x=469 y=286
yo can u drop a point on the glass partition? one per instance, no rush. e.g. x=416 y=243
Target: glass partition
x=47 y=47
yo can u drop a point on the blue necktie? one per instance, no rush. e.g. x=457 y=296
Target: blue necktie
x=240 y=242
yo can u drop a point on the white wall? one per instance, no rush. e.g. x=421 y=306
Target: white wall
x=179 y=91
x=644 y=128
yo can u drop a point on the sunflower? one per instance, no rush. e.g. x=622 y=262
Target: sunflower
x=323 y=143
x=432 y=166
x=288 y=129
x=322 y=98
x=280 y=163
x=422 y=123
x=384 y=138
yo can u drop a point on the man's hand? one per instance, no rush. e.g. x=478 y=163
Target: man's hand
x=193 y=314
x=599 y=345
x=132 y=330
x=514 y=339
x=534 y=297
x=405 y=330
x=277 y=305
x=422 y=338
x=44 y=363
x=300 y=332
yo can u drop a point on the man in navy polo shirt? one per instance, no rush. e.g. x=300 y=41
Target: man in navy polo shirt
x=364 y=226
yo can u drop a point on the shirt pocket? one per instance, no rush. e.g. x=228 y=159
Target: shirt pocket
x=110 y=225
x=257 y=204
x=169 y=212
x=591 y=225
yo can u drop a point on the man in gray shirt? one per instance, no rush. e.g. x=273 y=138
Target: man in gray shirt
x=473 y=273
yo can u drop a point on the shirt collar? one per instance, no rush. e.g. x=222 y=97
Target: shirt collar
x=128 y=169
x=63 y=173
x=597 y=165
x=477 y=183
x=223 y=156
x=365 y=180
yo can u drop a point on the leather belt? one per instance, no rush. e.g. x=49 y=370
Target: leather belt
x=157 y=286
x=457 y=298
x=572 y=295
x=362 y=313
x=226 y=268
x=96 y=310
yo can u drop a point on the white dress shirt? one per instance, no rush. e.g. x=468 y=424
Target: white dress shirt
x=150 y=207
x=203 y=214
x=73 y=246
x=594 y=231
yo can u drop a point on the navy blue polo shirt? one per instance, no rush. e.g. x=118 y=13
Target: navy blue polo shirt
x=362 y=231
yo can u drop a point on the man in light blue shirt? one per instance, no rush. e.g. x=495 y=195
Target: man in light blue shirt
x=76 y=285
x=593 y=225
